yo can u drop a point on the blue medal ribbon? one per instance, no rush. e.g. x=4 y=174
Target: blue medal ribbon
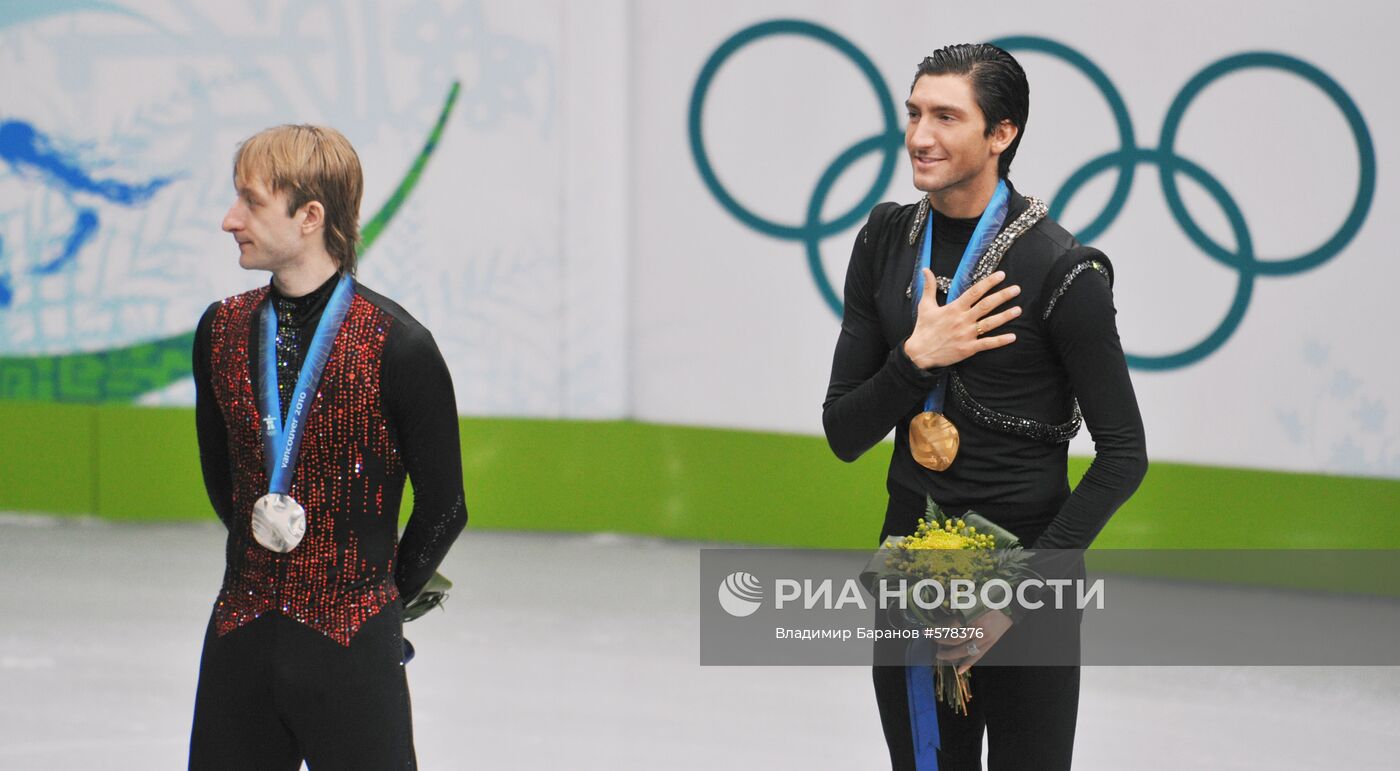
x=923 y=704
x=281 y=447
x=919 y=658
x=987 y=228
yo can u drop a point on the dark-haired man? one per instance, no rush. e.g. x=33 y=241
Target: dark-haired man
x=315 y=397
x=972 y=325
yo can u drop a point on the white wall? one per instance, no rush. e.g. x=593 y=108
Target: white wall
x=572 y=262
x=731 y=329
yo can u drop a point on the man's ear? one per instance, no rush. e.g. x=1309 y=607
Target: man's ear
x=1003 y=135
x=313 y=217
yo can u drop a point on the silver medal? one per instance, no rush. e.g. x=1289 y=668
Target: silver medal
x=278 y=522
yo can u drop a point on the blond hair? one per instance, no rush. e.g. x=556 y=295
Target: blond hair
x=310 y=163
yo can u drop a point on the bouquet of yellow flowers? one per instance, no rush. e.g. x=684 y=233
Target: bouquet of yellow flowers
x=941 y=551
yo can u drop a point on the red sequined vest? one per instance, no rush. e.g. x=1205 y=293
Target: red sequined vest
x=349 y=478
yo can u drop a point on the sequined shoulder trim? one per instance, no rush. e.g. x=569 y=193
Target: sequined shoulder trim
x=1035 y=212
x=1010 y=424
x=1069 y=279
x=919 y=217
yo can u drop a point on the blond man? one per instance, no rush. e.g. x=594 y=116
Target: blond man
x=316 y=398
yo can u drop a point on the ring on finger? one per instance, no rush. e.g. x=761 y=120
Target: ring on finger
x=978 y=328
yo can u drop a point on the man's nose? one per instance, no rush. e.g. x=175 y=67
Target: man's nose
x=923 y=134
x=232 y=219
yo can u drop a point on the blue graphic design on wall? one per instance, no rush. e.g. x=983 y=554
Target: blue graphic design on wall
x=31 y=154
x=116 y=134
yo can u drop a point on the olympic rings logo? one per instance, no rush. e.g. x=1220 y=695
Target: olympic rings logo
x=889 y=142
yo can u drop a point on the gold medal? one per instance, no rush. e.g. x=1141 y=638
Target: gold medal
x=933 y=440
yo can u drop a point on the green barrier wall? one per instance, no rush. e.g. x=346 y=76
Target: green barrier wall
x=134 y=463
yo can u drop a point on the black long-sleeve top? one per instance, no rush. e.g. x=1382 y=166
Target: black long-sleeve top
x=1017 y=481
x=416 y=396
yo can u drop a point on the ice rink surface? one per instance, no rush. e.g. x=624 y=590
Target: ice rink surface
x=579 y=652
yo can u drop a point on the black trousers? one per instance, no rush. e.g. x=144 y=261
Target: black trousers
x=1029 y=713
x=275 y=692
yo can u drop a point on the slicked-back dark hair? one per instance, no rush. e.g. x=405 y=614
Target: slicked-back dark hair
x=998 y=83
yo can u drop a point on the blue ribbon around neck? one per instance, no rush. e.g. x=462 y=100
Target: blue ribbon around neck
x=919 y=658
x=280 y=446
x=987 y=228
